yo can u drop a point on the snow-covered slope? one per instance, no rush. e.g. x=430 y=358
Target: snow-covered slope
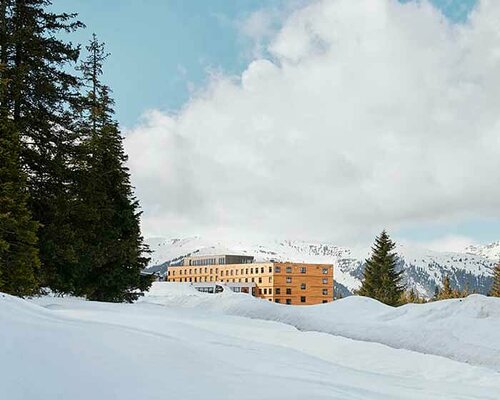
x=424 y=269
x=181 y=344
x=490 y=251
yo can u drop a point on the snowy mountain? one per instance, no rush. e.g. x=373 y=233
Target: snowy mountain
x=490 y=251
x=424 y=269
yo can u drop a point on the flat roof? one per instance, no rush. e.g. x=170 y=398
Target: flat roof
x=219 y=255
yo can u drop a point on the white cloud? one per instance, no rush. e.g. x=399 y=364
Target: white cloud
x=451 y=243
x=367 y=114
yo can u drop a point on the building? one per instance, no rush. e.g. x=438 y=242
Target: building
x=217 y=260
x=281 y=282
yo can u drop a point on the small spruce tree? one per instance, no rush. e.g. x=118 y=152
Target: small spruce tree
x=495 y=288
x=381 y=280
x=447 y=291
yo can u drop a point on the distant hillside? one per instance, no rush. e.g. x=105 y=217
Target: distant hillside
x=424 y=269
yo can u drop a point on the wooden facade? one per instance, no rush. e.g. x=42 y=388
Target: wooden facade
x=281 y=282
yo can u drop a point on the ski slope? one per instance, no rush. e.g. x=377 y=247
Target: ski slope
x=177 y=343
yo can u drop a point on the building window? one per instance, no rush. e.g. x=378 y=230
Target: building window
x=241 y=272
x=288 y=301
x=251 y=270
x=325 y=281
x=325 y=301
x=246 y=280
x=260 y=279
x=246 y=271
x=261 y=270
x=277 y=269
x=277 y=290
x=260 y=291
x=302 y=270
x=288 y=279
x=325 y=292
x=302 y=299
x=303 y=286
x=270 y=279
x=276 y=300
x=325 y=270
x=270 y=290
x=270 y=270
x=288 y=291
x=265 y=291
x=288 y=270
x=253 y=279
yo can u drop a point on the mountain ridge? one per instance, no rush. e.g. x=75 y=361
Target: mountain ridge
x=424 y=270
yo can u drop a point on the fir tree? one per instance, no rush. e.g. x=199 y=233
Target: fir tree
x=39 y=97
x=437 y=292
x=495 y=287
x=114 y=246
x=381 y=280
x=19 y=260
x=446 y=292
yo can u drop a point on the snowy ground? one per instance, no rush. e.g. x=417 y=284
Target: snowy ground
x=177 y=343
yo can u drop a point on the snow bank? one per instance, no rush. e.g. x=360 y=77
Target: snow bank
x=464 y=330
x=67 y=348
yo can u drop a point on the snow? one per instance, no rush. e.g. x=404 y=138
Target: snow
x=490 y=251
x=430 y=266
x=177 y=343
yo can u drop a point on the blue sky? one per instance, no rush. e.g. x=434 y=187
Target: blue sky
x=163 y=49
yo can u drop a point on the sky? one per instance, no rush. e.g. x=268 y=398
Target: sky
x=308 y=119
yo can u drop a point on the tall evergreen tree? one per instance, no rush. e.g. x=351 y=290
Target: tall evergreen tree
x=39 y=96
x=115 y=247
x=495 y=288
x=381 y=280
x=19 y=260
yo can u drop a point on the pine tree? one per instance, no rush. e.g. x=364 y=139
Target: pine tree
x=437 y=293
x=495 y=287
x=114 y=246
x=18 y=252
x=19 y=260
x=381 y=280
x=39 y=97
x=446 y=292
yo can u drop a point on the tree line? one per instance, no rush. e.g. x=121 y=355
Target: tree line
x=69 y=220
x=382 y=280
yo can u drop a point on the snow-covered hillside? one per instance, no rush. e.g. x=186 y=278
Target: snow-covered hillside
x=490 y=251
x=424 y=269
x=178 y=343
